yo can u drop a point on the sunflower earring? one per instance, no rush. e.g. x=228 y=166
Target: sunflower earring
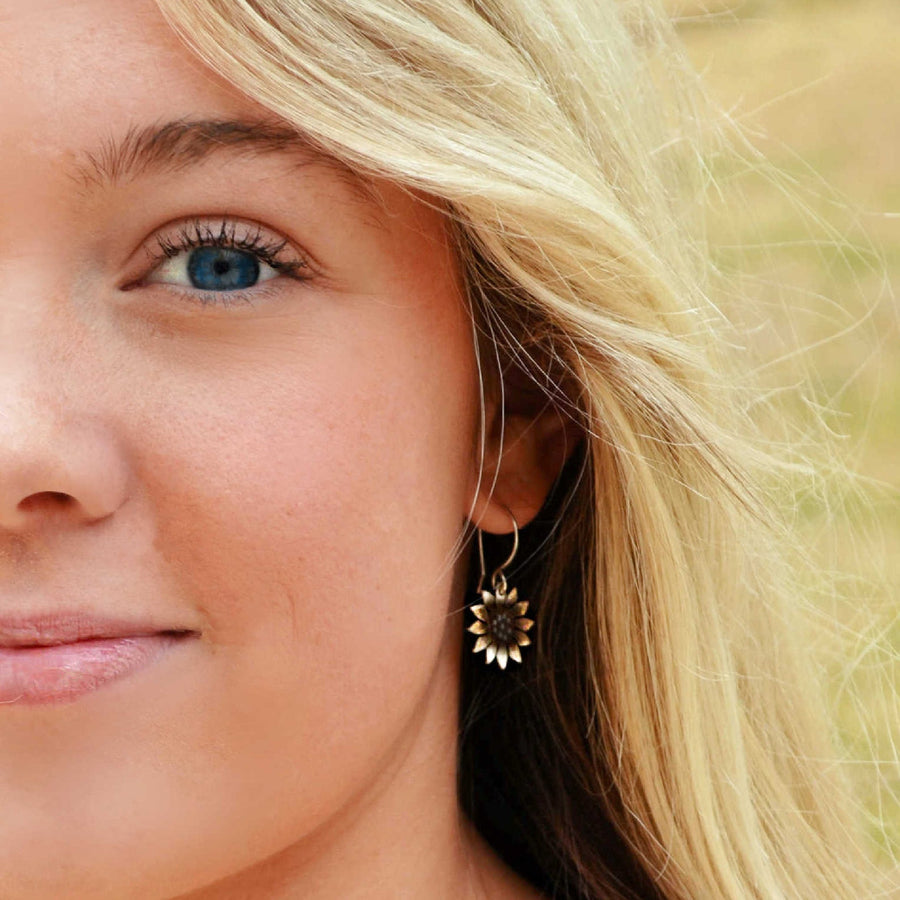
x=500 y=621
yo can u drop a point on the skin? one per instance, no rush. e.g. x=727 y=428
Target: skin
x=288 y=476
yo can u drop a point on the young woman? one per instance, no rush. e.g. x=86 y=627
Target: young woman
x=308 y=308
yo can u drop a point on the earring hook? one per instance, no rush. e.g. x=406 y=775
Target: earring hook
x=498 y=579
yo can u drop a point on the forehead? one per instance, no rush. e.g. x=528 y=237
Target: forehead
x=73 y=73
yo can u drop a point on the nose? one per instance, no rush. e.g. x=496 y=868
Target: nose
x=56 y=466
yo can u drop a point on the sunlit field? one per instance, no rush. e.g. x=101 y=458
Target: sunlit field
x=814 y=84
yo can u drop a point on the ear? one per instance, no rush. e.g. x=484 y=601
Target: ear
x=523 y=456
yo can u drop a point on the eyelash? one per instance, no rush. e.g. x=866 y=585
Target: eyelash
x=232 y=235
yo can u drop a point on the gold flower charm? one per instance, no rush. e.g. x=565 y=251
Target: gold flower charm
x=501 y=626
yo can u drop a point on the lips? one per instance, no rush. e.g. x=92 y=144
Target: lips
x=59 y=657
x=50 y=629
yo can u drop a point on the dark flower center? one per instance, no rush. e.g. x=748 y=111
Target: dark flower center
x=503 y=627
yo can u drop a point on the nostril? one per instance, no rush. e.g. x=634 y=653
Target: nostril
x=60 y=474
x=46 y=501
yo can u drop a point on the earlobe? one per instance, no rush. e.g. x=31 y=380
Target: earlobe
x=523 y=456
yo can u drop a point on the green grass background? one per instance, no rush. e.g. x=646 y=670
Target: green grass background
x=815 y=84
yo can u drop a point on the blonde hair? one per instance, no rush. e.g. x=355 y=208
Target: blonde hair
x=669 y=728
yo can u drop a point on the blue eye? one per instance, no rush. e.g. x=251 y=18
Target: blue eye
x=222 y=269
x=213 y=269
x=228 y=257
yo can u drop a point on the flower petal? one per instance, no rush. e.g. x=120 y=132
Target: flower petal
x=520 y=608
x=478 y=628
x=522 y=639
x=491 y=652
x=524 y=624
x=488 y=597
x=515 y=653
x=502 y=656
x=481 y=643
x=513 y=595
x=480 y=613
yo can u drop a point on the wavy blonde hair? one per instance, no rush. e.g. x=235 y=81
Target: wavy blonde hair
x=668 y=728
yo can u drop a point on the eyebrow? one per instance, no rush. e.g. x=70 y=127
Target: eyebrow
x=179 y=144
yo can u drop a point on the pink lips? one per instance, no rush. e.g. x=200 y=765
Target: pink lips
x=59 y=657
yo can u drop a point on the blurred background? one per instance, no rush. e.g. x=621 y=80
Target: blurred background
x=815 y=87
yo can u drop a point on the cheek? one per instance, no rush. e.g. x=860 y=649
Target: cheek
x=328 y=505
x=308 y=507
x=329 y=475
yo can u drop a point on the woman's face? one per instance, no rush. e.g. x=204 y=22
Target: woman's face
x=239 y=399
